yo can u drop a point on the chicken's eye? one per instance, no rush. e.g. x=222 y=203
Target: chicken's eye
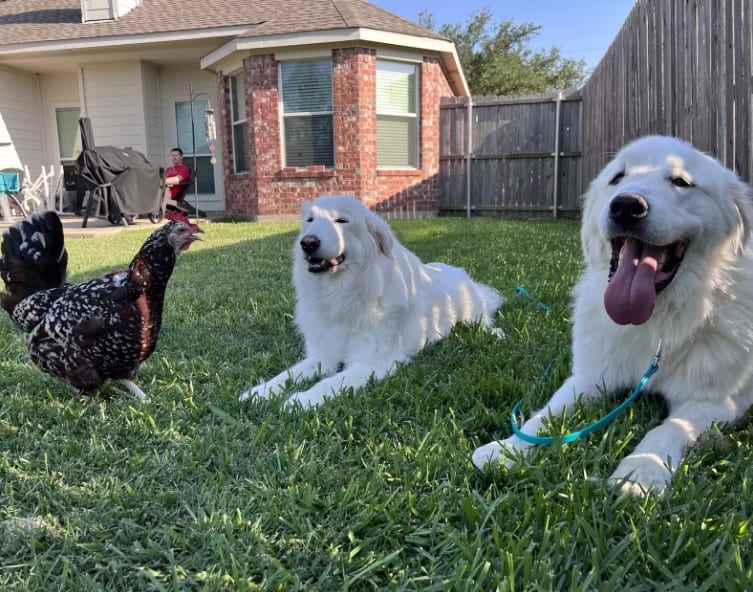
x=681 y=182
x=617 y=178
x=341 y=220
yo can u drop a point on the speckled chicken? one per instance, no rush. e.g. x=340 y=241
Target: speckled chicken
x=101 y=329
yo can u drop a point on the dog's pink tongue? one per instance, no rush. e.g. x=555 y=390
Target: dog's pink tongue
x=631 y=296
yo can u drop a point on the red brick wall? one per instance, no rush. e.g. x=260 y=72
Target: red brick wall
x=268 y=189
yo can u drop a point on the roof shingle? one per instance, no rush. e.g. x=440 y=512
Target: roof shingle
x=37 y=21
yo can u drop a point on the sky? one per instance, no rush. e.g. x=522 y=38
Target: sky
x=582 y=29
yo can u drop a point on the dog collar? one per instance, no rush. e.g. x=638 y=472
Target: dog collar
x=600 y=423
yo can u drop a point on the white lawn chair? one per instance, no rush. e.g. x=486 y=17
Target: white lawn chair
x=33 y=193
x=53 y=189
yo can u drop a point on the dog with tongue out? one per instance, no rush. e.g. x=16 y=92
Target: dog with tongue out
x=665 y=235
x=638 y=270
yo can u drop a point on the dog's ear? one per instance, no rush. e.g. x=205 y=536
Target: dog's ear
x=381 y=232
x=743 y=196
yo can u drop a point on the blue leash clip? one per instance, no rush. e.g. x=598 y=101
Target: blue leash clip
x=523 y=292
x=582 y=433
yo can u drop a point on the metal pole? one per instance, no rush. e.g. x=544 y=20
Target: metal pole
x=193 y=149
x=469 y=157
x=555 y=197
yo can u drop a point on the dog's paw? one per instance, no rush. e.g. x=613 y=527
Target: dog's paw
x=260 y=391
x=507 y=452
x=640 y=474
x=497 y=332
x=306 y=399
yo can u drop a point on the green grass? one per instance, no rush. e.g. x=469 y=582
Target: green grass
x=372 y=491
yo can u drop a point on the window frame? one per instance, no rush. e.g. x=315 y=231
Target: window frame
x=299 y=114
x=237 y=122
x=415 y=116
x=199 y=107
x=58 y=111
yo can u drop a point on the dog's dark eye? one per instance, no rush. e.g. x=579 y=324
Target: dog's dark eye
x=310 y=219
x=342 y=221
x=617 y=178
x=681 y=182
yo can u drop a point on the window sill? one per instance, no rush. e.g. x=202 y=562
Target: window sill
x=311 y=172
x=400 y=173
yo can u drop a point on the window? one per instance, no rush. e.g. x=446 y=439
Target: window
x=238 y=120
x=69 y=137
x=397 y=114
x=204 y=169
x=306 y=94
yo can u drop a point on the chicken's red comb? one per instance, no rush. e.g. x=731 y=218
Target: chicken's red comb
x=177 y=216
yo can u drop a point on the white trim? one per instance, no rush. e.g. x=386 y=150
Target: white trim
x=397 y=55
x=118 y=40
x=233 y=66
x=299 y=55
x=213 y=61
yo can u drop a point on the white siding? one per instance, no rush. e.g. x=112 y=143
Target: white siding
x=174 y=87
x=155 y=148
x=20 y=120
x=114 y=103
x=58 y=91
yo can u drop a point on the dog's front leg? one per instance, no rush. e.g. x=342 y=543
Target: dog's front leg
x=354 y=375
x=306 y=368
x=653 y=462
x=509 y=450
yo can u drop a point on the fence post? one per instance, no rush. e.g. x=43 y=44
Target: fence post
x=555 y=197
x=469 y=157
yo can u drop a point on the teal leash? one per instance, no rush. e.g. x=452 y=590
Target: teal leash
x=598 y=424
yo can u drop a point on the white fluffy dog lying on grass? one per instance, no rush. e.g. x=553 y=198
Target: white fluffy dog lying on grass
x=365 y=303
x=665 y=238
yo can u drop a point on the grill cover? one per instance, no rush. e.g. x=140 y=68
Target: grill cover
x=123 y=176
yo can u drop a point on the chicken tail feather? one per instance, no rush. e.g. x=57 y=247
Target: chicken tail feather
x=33 y=258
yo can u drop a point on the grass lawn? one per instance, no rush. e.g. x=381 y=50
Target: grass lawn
x=372 y=491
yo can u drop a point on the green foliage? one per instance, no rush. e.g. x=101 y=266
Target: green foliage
x=374 y=490
x=499 y=61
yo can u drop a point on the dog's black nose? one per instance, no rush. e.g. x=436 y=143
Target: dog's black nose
x=310 y=244
x=628 y=208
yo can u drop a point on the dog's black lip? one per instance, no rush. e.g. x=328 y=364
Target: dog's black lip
x=670 y=266
x=320 y=265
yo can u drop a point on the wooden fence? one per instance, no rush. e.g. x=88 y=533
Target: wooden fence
x=677 y=67
x=524 y=156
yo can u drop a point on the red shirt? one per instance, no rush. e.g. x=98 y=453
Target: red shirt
x=179 y=170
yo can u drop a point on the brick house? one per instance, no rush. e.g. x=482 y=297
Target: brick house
x=310 y=96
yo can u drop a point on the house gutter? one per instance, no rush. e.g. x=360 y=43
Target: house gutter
x=334 y=37
x=37 y=47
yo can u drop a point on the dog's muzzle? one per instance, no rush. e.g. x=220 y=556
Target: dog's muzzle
x=310 y=245
x=638 y=270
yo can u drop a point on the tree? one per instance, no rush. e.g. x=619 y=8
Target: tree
x=501 y=63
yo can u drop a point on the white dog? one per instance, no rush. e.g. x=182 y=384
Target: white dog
x=665 y=238
x=364 y=302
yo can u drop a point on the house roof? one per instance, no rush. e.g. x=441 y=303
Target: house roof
x=49 y=35
x=24 y=22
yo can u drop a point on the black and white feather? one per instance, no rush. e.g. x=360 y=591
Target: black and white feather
x=93 y=331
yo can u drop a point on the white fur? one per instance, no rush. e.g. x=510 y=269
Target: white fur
x=704 y=316
x=377 y=309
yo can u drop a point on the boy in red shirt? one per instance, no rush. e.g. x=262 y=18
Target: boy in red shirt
x=177 y=175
